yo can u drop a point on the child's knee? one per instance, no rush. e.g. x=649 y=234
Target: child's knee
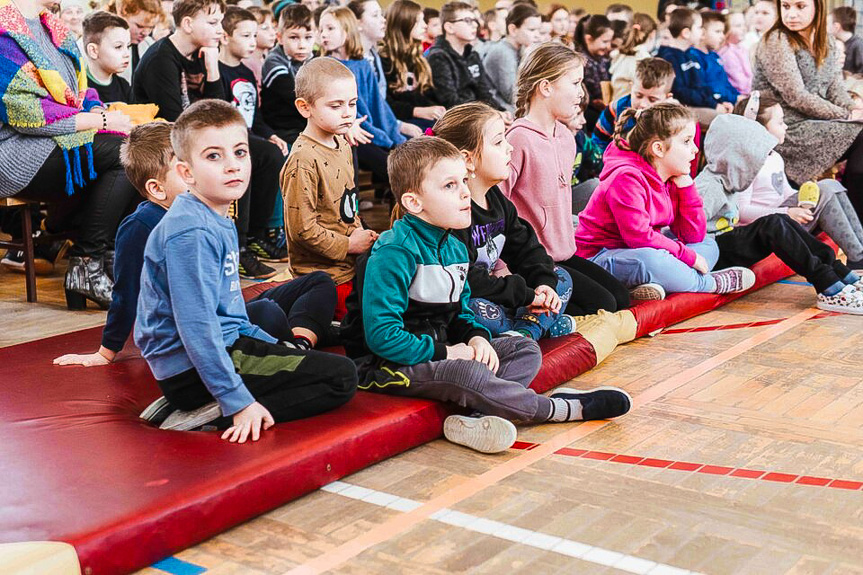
x=343 y=376
x=564 y=281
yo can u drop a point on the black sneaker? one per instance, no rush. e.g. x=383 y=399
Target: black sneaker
x=267 y=251
x=45 y=255
x=157 y=412
x=252 y=268
x=278 y=237
x=599 y=403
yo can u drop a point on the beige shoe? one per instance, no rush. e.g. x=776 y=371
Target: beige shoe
x=486 y=434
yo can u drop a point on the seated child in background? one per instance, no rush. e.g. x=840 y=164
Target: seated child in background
x=646 y=187
x=653 y=80
x=736 y=149
x=106 y=48
x=690 y=83
x=539 y=182
x=593 y=36
x=321 y=203
x=529 y=299
x=298 y=312
x=279 y=74
x=588 y=162
x=843 y=28
x=410 y=328
x=637 y=45
x=771 y=193
x=432 y=18
x=713 y=71
x=210 y=361
x=265 y=40
x=735 y=54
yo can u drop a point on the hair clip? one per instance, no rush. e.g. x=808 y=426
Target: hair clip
x=753 y=105
x=429 y=132
x=636 y=26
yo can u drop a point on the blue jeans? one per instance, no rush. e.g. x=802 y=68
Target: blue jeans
x=636 y=266
x=498 y=319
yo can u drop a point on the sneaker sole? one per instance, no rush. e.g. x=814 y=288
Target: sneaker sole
x=600 y=388
x=189 y=420
x=487 y=434
x=153 y=408
x=42 y=266
x=647 y=294
x=260 y=277
x=838 y=309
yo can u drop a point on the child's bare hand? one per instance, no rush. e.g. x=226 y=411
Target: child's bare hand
x=283 y=145
x=682 y=181
x=410 y=130
x=356 y=135
x=545 y=300
x=251 y=420
x=460 y=351
x=700 y=264
x=801 y=215
x=360 y=240
x=87 y=359
x=484 y=353
x=117 y=121
x=433 y=113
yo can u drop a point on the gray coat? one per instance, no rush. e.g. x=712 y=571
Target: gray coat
x=813 y=98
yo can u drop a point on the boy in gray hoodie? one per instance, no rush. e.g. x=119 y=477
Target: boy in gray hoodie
x=736 y=148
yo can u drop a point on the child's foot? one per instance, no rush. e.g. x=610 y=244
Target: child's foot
x=486 y=434
x=733 y=280
x=157 y=412
x=599 y=403
x=268 y=251
x=647 y=292
x=189 y=420
x=252 y=268
x=564 y=325
x=849 y=300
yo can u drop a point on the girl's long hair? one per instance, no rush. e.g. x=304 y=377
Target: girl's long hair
x=593 y=26
x=642 y=27
x=548 y=61
x=820 y=42
x=346 y=19
x=405 y=53
x=660 y=122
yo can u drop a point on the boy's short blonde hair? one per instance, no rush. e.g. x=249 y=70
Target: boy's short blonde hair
x=316 y=74
x=653 y=72
x=408 y=164
x=199 y=116
x=146 y=154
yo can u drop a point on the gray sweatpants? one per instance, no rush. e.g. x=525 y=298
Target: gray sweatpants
x=835 y=215
x=471 y=384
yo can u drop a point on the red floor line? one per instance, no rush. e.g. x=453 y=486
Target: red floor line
x=739 y=325
x=741 y=472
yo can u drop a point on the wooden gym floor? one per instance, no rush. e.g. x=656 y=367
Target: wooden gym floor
x=743 y=454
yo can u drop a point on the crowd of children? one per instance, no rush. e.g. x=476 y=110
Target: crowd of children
x=545 y=166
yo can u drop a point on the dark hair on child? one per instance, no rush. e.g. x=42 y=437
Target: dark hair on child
x=660 y=122
x=233 y=16
x=680 y=20
x=519 y=13
x=199 y=116
x=653 y=72
x=146 y=154
x=429 y=13
x=463 y=125
x=188 y=8
x=710 y=16
x=593 y=26
x=318 y=12
x=548 y=61
x=449 y=11
x=408 y=165
x=846 y=17
x=765 y=103
x=295 y=16
x=261 y=14
x=642 y=27
x=358 y=7
x=95 y=24
x=620 y=29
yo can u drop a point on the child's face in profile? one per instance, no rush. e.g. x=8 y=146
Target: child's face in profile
x=567 y=93
x=642 y=98
x=545 y=32
x=677 y=152
x=492 y=163
x=434 y=29
x=334 y=111
x=218 y=167
x=242 y=42
x=298 y=43
x=445 y=196
x=113 y=50
x=776 y=125
x=266 y=34
x=713 y=36
x=736 y=28
x=333 y=37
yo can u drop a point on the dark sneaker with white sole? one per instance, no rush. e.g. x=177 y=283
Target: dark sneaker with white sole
x=189 y=420
x=252 y=268
x=157 y=412
x=267 y=250
x=599 y=403
x=486 y=434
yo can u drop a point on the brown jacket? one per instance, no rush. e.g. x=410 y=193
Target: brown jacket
x=321 y=206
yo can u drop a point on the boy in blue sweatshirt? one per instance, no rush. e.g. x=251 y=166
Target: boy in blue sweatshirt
x=192 y=325
x=691 y=85
x=410 y=328
x=714 y=26
x=299 y=311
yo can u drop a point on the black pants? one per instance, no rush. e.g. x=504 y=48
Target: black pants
x=853 y=177
x=593 y=288
x=779 y=234
x=372 y=158
x=99 y=206
x=307 y=301
x=255 y=208
x=302 y=384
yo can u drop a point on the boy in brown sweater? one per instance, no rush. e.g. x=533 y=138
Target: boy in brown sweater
x=321 y=204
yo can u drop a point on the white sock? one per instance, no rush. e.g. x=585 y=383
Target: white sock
x=564 y=410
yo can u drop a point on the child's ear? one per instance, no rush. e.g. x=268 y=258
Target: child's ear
x=447 y=30
x=657 y=149
x=412 y=203
x=92 y=51
x=224 y=39
x=468 y=161
x=686 y=33
x=155 y=190
x=303 y=108
x=185 y=172
x=544 y=88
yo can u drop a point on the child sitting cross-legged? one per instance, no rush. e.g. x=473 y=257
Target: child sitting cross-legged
x=212 y=364
x=298 y=312
x=644 y=188
x=106 y=47
x=323 y=225
x=410 y=328
x=528 y=301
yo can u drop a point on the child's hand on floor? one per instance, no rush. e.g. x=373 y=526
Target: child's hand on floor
x=484 y=353
x=801 y=215
x=360 y=240
x=460 y=351
x=102 y=357
x=545 y=300
x=252 y=419
x=700 y=264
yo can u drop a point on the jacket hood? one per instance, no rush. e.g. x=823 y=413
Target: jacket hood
x=616 y=160
x=736 y=149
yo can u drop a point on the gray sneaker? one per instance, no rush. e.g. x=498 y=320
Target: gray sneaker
x=486 y=434
x=647 y=292
x=189 y=420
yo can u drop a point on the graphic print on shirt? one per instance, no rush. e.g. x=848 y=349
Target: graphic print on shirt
x=473 y=69
x=245 y=97
x=349 y=205
x=777 y=180
x=488 y=239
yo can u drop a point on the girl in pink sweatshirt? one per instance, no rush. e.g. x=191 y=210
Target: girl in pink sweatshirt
x=548 y=92
x=735 y=54
x=645 y=222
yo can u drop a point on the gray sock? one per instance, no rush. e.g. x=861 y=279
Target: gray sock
x=564 y=410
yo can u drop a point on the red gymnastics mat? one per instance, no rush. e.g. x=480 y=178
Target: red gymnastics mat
x=77 y=465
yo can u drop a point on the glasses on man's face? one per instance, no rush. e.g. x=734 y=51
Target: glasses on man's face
x=468 y=20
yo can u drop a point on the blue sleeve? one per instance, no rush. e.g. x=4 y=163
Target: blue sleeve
x=368 y=104
x=193 y=261
x=722 y=85
x=688 y=86
x=128 y=263
x=388 y=277
x=604 y=130
x=383 y=114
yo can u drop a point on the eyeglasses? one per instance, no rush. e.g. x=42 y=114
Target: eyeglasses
x=469 y=21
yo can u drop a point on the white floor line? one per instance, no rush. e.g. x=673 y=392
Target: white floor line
x=567 y=547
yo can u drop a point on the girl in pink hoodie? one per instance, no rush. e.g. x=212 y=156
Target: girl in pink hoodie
x=645 y=222
x=548 y=92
